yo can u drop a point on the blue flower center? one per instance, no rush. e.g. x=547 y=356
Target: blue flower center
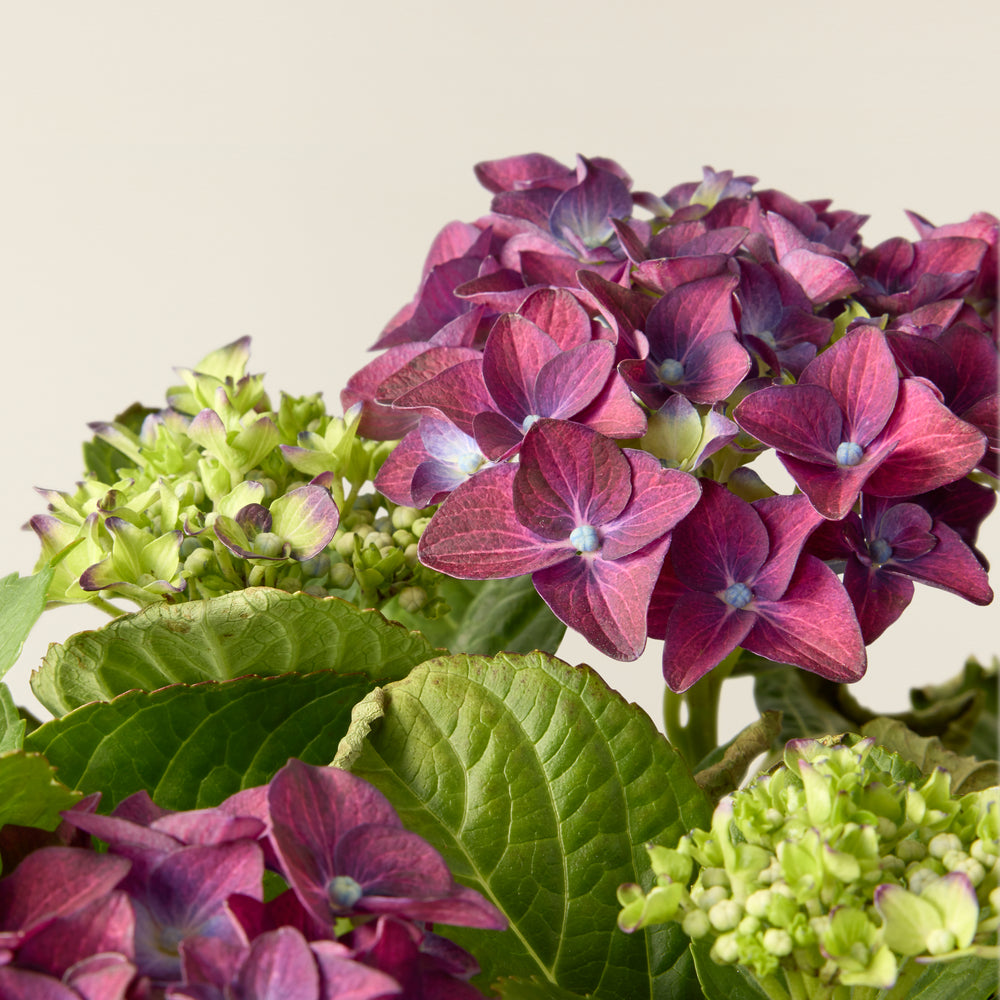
x=737 y=595
x=470 y=463
x=849 y=453
x=528 y=421
x=343 y=892
x=670 y=371
x=880 y=551
x=584 y=538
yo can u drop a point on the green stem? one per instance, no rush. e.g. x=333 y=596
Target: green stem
x=106 y=606
x=696 y=738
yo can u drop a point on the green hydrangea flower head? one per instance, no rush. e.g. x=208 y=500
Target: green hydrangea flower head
x=842 y=872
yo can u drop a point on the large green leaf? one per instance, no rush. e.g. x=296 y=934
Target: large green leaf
x=12 y=726
x=974 y=732
x=488 y=616
x=540 y=786
x=22 y=600
x=30 y=795
x=798 y=695
x=968 y=978
x=192 y=746
x=256 y=631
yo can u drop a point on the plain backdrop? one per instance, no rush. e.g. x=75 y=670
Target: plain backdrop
x=174 y=176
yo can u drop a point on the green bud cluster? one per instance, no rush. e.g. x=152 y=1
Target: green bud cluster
x=220 y=490
x=831 y=873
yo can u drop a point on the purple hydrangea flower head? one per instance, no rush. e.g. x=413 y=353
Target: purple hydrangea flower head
x=851 y=423
x=343 y=850
x=589 y=521
x=736 y=576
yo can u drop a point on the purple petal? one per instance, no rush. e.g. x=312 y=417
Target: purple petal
x=812 y=626
x=585 y=211
x=879 y=597
x=606 y=601
x=514 y=354
x=345 y=979
x=497 y=435
x=458 y=392
x=934 y=447
x=832 y=490
x=860 y=373
x=951 y=566
x=614 y=412
x=280 y=966
x=803 y=421
x=474 y=535
x=660 y=498
x=522 y=172
x=571 y=381
x=420 y=369
x=387 y=861
x=560 y=315
x=700 y=633
x=789 y=520
x=722 y=541
x=569 y=475
x=395 y=478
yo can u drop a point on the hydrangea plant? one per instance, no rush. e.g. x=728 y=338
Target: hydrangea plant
x=332 y=753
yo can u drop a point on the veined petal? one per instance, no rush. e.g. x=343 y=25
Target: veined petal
x=569 y=475
x=605 y=600
x=879 y=597
x=803 y=421
x=569 y=382
x=860 y=373
x=701 y=632
x=789 y=520
x=812 y=626
x=660 y=498
x=474 y=535
x=934 y=447
x=560 y=314
x=514 y=354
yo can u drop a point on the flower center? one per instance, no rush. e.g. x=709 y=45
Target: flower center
x=670 y=371
x=528 y=421
x=737 y=595
x=343 y=892
x=849 y=453
x=584 y=538
x=880 y=551
x=470 y=464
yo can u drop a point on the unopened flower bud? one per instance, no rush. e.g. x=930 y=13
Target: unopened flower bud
x=725 y=951
x=419 y=524
x=696 y=924
x=412 y=598
x=199 y=561
x=341 y=576
x=410 y=555
x=403 y=517
x=942 y=844
x=777 y=942
x=707 y=898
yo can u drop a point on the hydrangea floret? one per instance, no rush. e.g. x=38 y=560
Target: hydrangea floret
x=732 y=321
x=841 y=873
x=176 y=906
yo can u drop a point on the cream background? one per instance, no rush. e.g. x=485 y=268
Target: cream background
x=176 y=176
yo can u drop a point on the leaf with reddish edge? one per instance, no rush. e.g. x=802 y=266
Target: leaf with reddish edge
x=860 y=374
x=568 y=476
x=700 y=633
x=604 y=599
x=475 y=535
x=813 y=625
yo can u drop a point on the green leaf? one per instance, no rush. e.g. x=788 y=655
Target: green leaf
x=927 y=752
x=12 y=726
x=488 y=616
x=976 y=731
x=540 y=786
x=22 y=600
x=515 y=988
x=724 y=982
x=30 y=795
x=969 y=978
x=192 y=746
x=256 y=631
x=805 y=709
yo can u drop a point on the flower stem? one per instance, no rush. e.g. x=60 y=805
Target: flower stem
x=698 y=736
